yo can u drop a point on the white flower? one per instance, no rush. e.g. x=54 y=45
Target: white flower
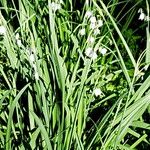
x=100 y=23
x=19 y=43
x=103 y=51
x=93 y=55
x=146 y=67
x=96 y=31
x=17 y=36
x=82 y=31
x=142 y=16
x=32 y=58
x=93 y=19
x=91 y=39
x=90 y=53
x=2 y=30
x=88 y=14
x=97 y=92
x=55 y=6
x=92 y=25
x=140 y=10
x=36 y=75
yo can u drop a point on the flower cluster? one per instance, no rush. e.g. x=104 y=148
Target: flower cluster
x=94 y=25
x=31 y=53
x=143 y=16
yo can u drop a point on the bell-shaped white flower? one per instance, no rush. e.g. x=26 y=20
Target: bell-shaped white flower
x=92 y=25
x=97 y=92
x=142 y=16
x=103 y=51
x=17 y=36
x=100 y=23
x=93 y=19
x=2 y=30
x=91 y=39
x=19 y=43
x=82 y=32
x=96 y=31
x=88 y=14
x=90 y=53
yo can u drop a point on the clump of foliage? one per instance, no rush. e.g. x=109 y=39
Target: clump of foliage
x=74 y=76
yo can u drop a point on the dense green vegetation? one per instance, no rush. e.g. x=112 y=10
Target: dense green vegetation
x=74 y=75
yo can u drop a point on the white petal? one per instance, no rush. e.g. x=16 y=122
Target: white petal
x=82 y=31
x=96 y=31
x=91 y=39
x=97 y=92
x=17 y=36
x=2 y=30
x=94 y=55
x=103 y=51
x=88 y=14
x=100 y=23
x=142 y=16
x=88 y=51
x=93 y=19
x=19 y=43
x=92 y=25
x=140 y=10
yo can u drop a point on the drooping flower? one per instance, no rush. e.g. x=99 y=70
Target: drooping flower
x=100 y=23
x=102 y=50
x=97 y=92
x=91 y=39
x=88 y=14
x=142 y=15
x=90 y=53
x=2 y=30
x=19 y=43
x=93 y=19
x=17 y=36
x=92 y=25
x=82 y=31
x=96 y=31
